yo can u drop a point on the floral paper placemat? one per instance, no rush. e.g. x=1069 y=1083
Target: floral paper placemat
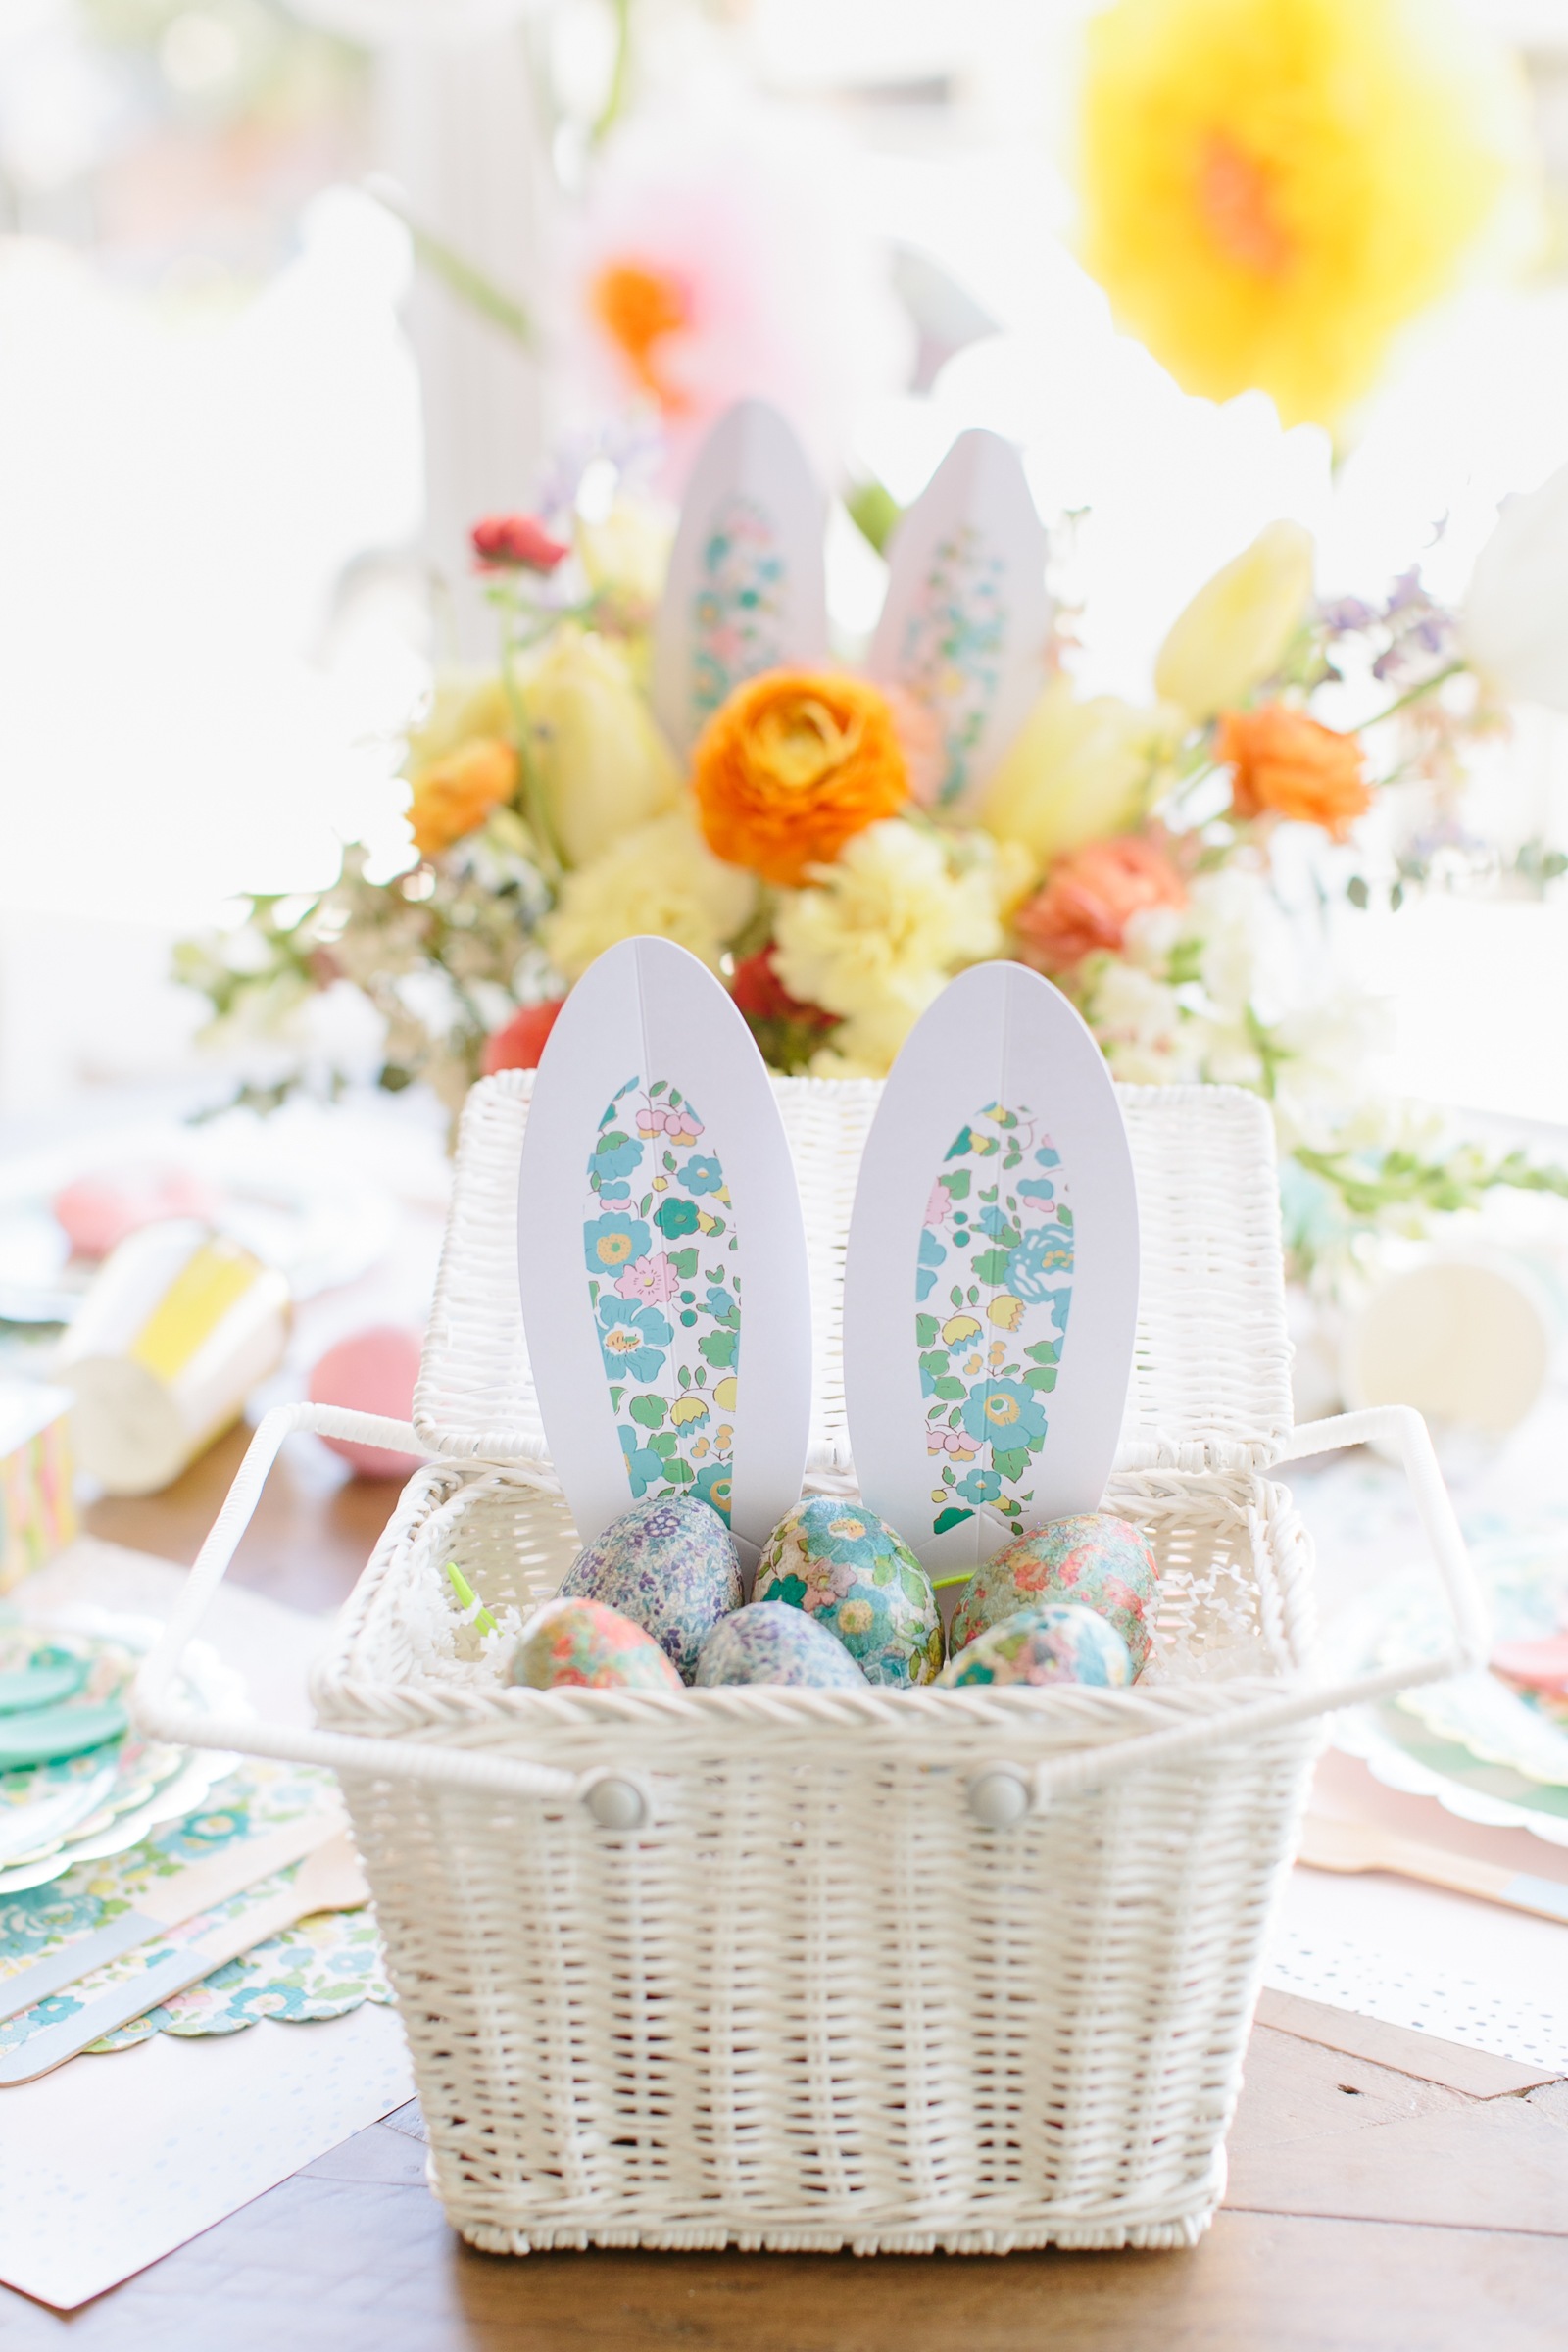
x=319 y=1968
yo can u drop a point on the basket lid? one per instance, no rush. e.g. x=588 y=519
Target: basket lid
x=1211 y=1386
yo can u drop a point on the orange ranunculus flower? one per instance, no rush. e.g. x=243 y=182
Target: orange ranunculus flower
x=453 y=794
x=793 y=765
x=1285 y=761
x=1091 y=898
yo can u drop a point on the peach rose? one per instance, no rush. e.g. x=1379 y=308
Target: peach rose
x=1284 y=761
x=456 y=794
x=791 y=766
x=1091 y=898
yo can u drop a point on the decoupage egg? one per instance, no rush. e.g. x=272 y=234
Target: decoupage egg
x=770 y=1643
x=671 y=1567
x=1095 y=1559
x=582 y=1642
x=850 y=1572
x=1060 y=1643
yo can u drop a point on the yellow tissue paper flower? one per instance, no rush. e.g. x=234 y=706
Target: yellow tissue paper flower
x=1077 y=770
x=1235 y=631
x=660 y=877
x=598 y=759
x=878 y=934
x=1272 y=187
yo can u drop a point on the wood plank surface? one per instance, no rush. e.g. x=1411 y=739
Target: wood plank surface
x=315 y=1527
x=359 y=2266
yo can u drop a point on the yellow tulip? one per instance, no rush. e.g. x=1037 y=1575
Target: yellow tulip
x=724 y=1395
x=959 y=1328
x=688 y=1410
x=1006 y=1312
x=626 y=554
x=1235 y=631
x=1077 y=770
x=598 y=759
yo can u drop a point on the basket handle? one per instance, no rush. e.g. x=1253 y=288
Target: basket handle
x=158 y=1714
x=1003 y=1792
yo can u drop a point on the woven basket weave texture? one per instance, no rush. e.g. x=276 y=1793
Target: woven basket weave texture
x=810 y=2001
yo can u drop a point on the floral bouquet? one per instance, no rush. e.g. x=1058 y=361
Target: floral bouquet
x=674 y=750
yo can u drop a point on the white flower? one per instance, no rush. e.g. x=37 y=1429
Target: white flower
x=1140 y=1025
x=1224 y=913
x=1514 y=622
x=1321 y=1074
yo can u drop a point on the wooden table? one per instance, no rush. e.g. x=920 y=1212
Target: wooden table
x=1388 y=2192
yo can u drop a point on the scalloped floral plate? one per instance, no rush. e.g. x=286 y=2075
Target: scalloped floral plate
x=1487 y=1752
x=86 y=1808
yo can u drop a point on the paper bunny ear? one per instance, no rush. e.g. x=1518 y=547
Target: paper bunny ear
x=991 y=1287
x=963 y=627
x=660 y=1252
x=746 y=590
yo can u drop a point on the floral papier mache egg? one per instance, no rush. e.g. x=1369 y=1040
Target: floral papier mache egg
x=582 y=1642
x=1093 y=1559
x=671 y=1567
x=850 y=1572
x=1058 y=1643
x=770 y=1643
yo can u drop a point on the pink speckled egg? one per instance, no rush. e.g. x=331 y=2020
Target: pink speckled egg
x=99 y=1210
x=373 y=1372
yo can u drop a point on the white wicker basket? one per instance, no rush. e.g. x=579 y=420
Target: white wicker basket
x=801 y=1969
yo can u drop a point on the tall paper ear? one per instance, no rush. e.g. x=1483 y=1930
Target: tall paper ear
x=746 y=590
x=991 y=1287
x=660 y=1252
x=963 y=627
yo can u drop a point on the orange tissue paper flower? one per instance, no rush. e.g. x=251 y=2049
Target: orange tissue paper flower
x=458 y=793
x=1285 y=762
x=1091 y=896
x=791 y=766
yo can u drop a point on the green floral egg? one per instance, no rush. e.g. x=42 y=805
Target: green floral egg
x=857 y=1578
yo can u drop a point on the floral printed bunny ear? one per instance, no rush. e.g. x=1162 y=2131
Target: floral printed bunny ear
x=746 y=590
x=660 y=1252
x=991 y=1287
x=963 y=627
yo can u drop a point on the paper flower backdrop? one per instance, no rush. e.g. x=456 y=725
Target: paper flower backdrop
x=1272 y=187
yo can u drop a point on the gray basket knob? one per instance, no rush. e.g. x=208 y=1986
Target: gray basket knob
x=616 y=1804
x=999 y=1798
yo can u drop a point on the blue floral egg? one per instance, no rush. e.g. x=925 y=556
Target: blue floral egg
x=772 y=1642
x=850 y=1572
x=1060 y=1643
x=671 y=1567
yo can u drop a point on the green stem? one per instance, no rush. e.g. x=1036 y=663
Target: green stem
x=461 y=277
x=1427 y=686
x=615 y=97
x=533 y=797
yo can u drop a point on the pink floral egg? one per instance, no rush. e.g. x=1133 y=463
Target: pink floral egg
x=582 y=1643
x=1095 y=1561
